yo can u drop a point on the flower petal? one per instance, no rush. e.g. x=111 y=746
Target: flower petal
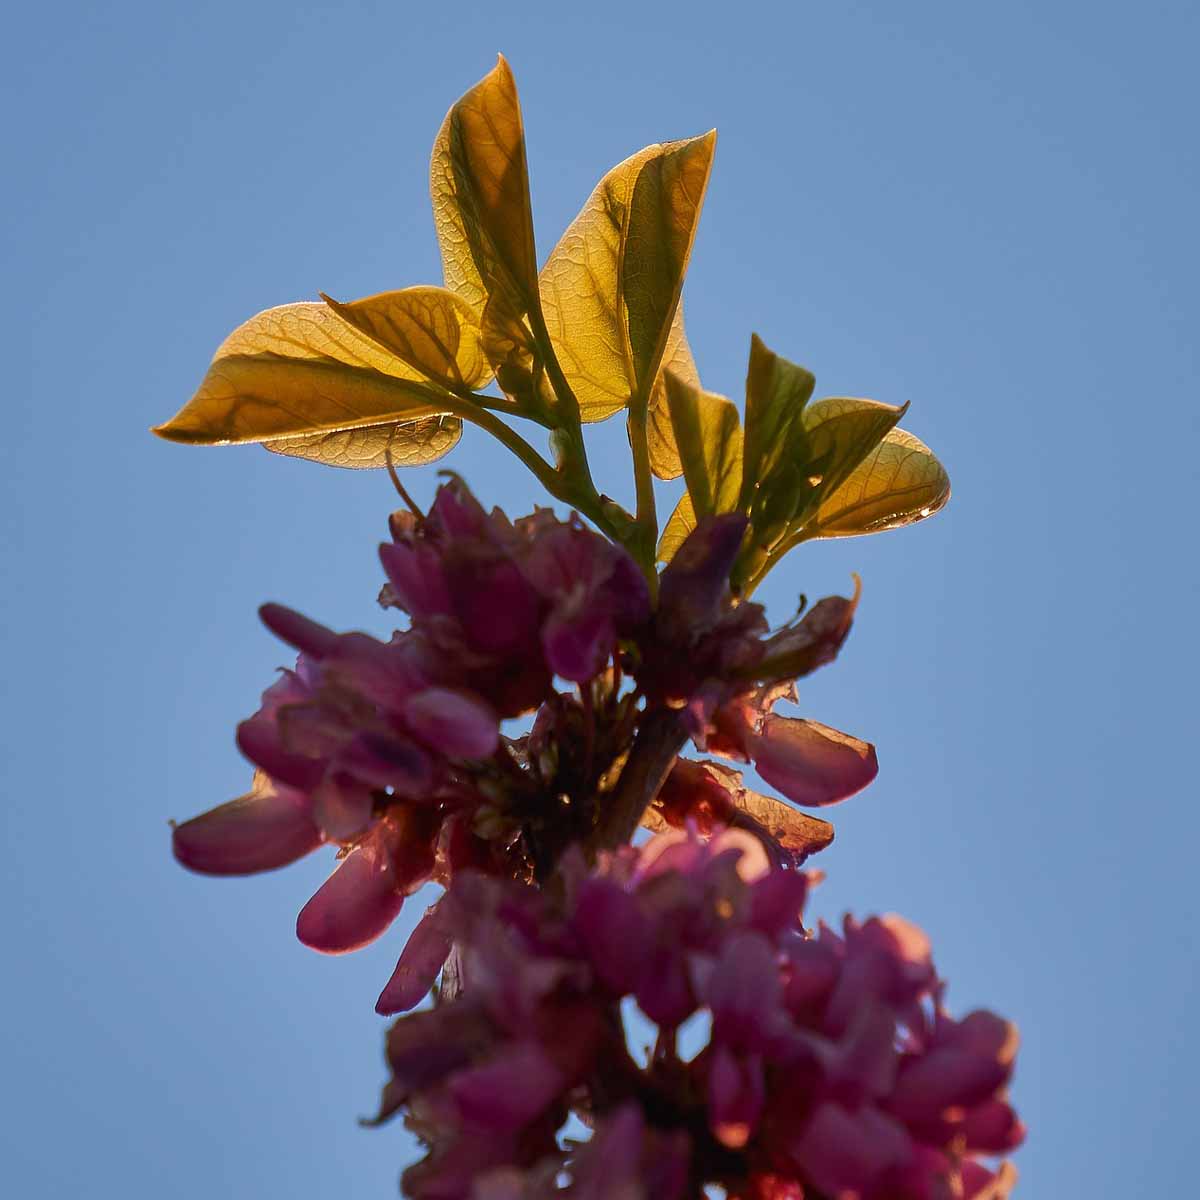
x=306 y=635
x=510 y=1089
x=358 y=901
x=453 y=723
x=811 y=763
x=696 y=581
x=268 y=827
x=342 y=806
x=578 y=640
x=418 y=585
x=844 y=1152
x=420 y=961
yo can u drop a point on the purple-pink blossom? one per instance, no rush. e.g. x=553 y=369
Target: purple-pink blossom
x=832 y=1066
x=512 y=603
x=391 y=750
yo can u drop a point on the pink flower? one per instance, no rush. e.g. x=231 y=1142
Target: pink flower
x=513 y=603
x=830 y=1065
x=360 y=745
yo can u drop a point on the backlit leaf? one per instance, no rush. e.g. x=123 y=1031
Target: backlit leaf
x=663 y=214
x=899 y=483
x=660 y=435
x=776 y=394
x=709 y=436
x=294 y=370
x=816 y=455
x=612 y=283
x=841 y=433
x=479 y=182
x=680 y=523
x=431 y=329
x=412 y=444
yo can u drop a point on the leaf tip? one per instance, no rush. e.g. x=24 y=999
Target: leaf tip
x=707 y=142
x=503 y=72
x=172 y=431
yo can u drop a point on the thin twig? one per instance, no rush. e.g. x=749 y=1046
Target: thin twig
x=409 y=502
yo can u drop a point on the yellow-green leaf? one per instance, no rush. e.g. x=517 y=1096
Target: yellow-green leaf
x=709 y=436
x=294 y=370
x=776 y=394
x=901 y=482
x=663 y=214
x=660 y=436
x=680 y=523
x=841 y=433
x=411 y=444
x=585 y=298
x=430 y=328
x=479 y=182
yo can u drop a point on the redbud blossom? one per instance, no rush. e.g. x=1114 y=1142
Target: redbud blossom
x=831 y=1067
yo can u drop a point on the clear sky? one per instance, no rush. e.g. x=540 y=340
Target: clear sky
x=986 y=209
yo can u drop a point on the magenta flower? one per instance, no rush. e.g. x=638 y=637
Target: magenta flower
x=391 y=750
x=513 y=604
x=831 y=1066
x=358 y=746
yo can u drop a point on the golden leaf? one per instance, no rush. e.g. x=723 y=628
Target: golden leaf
x=663 y=214
x=660 y=436
x=610 y=288
x=431 y=329
x=709 y=437
x=295 y=370
x=411 y=443
x=900 y=483
x=680 y=523
x=479 y=183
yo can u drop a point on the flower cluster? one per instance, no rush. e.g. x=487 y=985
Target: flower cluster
x=830 y=1068
x=392 y=750
x=512 y=604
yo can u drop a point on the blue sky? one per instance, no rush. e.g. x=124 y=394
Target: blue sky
x=986 y=210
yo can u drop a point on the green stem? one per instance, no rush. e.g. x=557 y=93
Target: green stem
x=496 y=404
x=781 y=548
x=568 y=404
x=646 y=517
x=580 y=494
x=569 y=421
x=508 y=437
